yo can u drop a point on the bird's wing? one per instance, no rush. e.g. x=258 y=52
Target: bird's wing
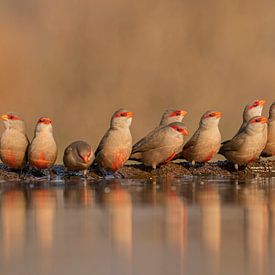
x=102 y=142
x=153 y=140
x=192 y=141
x=233 y=144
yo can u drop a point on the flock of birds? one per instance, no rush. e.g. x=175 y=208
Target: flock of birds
x=255 y=138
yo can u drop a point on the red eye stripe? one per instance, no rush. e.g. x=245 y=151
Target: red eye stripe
x=178 y=113
x=45 y=120
x=183 y=131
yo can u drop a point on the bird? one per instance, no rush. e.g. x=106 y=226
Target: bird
x=169 y=116
x=14 y=141
x=252 y=109
x=172 y=115
x=269 y=149
x=206 y=141
x=161 y=145
x=246 y=146
x=115 y=146
x=78 y=156
x=42 y=151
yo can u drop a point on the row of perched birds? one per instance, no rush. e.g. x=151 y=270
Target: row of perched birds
x=255 y=138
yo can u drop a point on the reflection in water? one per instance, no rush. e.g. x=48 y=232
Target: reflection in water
x=119 y=213
x=43 y=201
x=210 y=206
x=170 y=226
x=13 y=220
x=256 y=228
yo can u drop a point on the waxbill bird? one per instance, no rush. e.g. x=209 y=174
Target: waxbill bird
x=172 y=115
x=161 y=145
x=206 y=141
x=78 y=156
x=169 y=116
x=115 y=147
x=252 y=109
x=14 y=141
x=42 y=151
x=246 y=146
x=269 y=149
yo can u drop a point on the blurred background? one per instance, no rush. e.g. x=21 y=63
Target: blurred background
x=79 y=61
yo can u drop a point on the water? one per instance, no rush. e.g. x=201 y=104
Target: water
x=171 y=226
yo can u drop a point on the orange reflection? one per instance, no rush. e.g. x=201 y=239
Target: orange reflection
x=256 y=227
x=79 y=196
x=13 y=215
x=210 y=207
x=119 y=205
x=44 y=204
x=176 y=219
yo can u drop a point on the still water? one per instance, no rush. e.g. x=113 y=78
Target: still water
x=171 y=226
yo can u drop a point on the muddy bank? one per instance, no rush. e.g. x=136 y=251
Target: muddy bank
x=264 y=168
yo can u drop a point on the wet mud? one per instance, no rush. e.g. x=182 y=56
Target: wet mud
x=265 y=168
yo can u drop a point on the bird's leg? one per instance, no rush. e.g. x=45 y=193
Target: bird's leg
x=236 y=167
x=85 y=172
x=193 y=163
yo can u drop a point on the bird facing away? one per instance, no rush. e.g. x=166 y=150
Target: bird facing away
x=78 y=156
x=252 y=109
x=42 y=152
x=206 y=141
x=14 y=141
x=115 y=147
x=161 y=145
x=169 y=116
x=246 y=146
x=269 y=149
x=172 y=115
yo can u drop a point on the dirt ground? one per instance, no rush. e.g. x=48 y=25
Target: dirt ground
x=264 y=168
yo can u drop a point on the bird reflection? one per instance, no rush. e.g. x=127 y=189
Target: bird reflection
x=210 y=208
x=81 y=195
x=176 y=220
x=13 y=216
x=119 y=209
x=256 y=227
x=43 y=201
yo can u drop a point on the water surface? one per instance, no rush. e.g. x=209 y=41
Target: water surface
x=170 y=226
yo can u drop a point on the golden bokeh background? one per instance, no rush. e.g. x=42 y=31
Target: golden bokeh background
x=79 y=61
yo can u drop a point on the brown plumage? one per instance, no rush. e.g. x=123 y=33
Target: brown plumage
x=269 y=149
x=14 y=141
x=42 y=152
x=161 y=145
x=206 y=141
x=78 y=156
x=246 y=146
x=115 y=147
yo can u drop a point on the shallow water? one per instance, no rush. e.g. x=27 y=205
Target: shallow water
x=173 y=226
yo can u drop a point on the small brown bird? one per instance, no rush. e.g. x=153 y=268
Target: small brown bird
x=246 y=146
x=269 y=149
x=115 y=147
x=42 y=152
x=169 y=116
x=252 y=109
x=161 y=145
x=172 y=115
x=14 y=141
x=78 y=156
x=206 y=141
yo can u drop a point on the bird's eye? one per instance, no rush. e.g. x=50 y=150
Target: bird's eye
x=123 y=114
x=11 y=117
x=212 y=114
x=257 y=120
x=255 y=104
